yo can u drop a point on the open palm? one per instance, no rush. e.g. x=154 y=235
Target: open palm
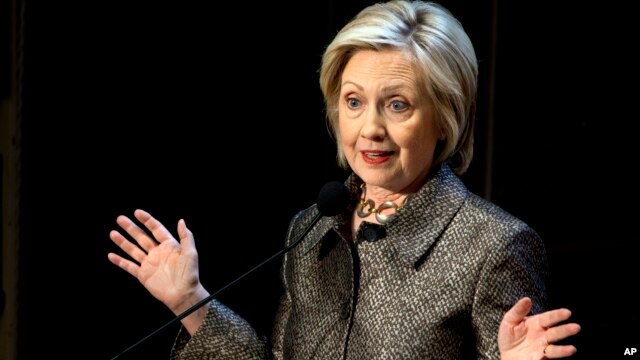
x=525 y=337
x=166 y=267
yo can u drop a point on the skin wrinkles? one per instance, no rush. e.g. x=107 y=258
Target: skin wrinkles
x=380 y=108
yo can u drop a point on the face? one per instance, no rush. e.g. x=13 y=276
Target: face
x=388 y=132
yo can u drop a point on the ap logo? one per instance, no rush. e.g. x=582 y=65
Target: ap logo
x=630 y=351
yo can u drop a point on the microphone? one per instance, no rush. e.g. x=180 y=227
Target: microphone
x=332 y=199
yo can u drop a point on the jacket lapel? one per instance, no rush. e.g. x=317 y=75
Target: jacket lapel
x=427 y=214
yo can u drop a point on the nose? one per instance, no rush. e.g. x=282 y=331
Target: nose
x=373 y=127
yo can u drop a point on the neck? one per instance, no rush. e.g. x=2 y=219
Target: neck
x=383 y=211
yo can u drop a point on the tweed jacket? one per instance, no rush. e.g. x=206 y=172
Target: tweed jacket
x=433 y=283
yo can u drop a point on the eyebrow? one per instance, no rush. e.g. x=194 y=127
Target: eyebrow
x=352 y=83
x=385 y=90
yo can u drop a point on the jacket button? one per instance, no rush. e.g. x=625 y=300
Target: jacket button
x=345 y=311
x=373 y=232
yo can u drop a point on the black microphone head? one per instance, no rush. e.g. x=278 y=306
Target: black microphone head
x=333 y=198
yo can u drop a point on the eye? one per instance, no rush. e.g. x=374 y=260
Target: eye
x=353 y=103
x=398 y=105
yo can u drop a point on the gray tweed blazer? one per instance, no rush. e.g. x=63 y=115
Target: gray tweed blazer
x=433 y=283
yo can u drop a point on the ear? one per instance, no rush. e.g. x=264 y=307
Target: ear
x=439 y=124
x=442 y=136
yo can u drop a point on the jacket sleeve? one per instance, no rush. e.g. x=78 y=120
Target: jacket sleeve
x=226 y=335
x=516 y=267
x=222 y=335
x=279 y=326
x=284 y=308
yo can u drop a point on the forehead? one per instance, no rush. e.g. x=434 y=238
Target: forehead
x=389 y=65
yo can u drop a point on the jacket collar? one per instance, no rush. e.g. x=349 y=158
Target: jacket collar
x=426 y=214
x=424 y=217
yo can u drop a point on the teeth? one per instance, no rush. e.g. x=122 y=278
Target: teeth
x=375 y=154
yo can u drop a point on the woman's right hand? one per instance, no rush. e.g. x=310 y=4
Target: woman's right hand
x=166 y=267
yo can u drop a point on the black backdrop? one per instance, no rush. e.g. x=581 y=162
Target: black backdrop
x=214 y=114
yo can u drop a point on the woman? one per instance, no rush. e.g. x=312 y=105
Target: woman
x=416 y=267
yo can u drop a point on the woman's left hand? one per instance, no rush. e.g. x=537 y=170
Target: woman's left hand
x=534 y=337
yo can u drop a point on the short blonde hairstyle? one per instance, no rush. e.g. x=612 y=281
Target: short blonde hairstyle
x=444 y=60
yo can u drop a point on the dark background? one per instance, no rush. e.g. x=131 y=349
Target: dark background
x=214 y=114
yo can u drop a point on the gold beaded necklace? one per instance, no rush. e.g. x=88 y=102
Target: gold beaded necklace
x=371 y=207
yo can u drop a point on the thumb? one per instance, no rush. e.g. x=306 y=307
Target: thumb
x=519 y=311
x=186 y=236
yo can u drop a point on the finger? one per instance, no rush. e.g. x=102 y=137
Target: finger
x=561 y=332
x=559 y=351
x=552 y=317
x=126 y=265
x=519 y=311
x=127 y=246
x=186 y=236
x=141 y=237
x=157 y=229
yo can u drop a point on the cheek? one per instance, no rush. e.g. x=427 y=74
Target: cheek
x=348 y=132
x=420 y=148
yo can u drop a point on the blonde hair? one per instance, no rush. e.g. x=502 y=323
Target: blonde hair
x=445 y=65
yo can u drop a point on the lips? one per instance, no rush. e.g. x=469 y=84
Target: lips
x=376 y=156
